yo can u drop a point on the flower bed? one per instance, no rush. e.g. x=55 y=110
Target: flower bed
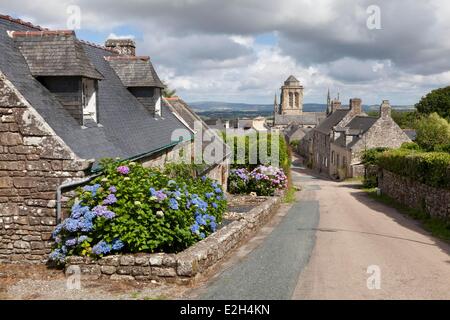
x=263 y=180
x=184 y=267
x=130 y=209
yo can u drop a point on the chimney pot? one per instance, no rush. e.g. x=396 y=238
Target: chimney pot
x=356 y=106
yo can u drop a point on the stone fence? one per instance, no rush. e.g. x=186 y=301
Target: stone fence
x=411 y=193
x=185 y=266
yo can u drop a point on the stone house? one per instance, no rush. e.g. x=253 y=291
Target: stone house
x=338 y=142
x=64 y=105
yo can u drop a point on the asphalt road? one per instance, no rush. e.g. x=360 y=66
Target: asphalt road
x=336 y=243
x=271 y=270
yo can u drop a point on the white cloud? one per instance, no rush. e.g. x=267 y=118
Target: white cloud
x=207 y=49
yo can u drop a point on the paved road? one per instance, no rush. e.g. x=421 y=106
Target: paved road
x=356 y=232
x=323 y=246
x=271 y=270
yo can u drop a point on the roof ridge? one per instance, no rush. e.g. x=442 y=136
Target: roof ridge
x=21 y=22
x=127 y=57
x=98 y=46
x=41 y=33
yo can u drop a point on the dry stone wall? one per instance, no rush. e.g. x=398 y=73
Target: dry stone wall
x=414 y=194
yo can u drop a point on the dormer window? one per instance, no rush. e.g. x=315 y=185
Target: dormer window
x=139 y=76
x=57 y=60
x=89 y=99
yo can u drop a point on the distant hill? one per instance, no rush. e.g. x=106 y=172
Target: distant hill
x=229 y=110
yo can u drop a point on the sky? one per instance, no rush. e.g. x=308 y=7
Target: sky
x=243 y=50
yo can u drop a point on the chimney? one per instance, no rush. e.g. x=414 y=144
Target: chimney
x=355 y=106
x=335 y=104
x=124 y=46
x=385 y=109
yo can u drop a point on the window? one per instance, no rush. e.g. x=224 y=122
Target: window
x=297 y=100
x=344 y=161
x=337 y=160
x=89 y=99
x=332 y=157
x=291 y=99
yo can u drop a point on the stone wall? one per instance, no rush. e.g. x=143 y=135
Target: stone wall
x=184 y=267
x=33 y=162
x=414 y=194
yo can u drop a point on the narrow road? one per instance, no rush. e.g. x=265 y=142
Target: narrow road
x=335 y=243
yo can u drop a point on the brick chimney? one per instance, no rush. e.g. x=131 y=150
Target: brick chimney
x=385 y=109
x=355 y=106
x=124 y=46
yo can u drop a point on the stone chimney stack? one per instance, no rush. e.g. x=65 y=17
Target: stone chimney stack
x=124 y=46
x=335 y=104
x=385 y=109
x=355 y=106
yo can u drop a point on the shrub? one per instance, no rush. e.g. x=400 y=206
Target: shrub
x=433 y=132
x=431 y=168
x=263 y=180
x=130 y=208
x=369 y=157
x=410 y=146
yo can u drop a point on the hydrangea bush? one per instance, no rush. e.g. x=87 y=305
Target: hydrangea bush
x=130 y=209
x=263 y=180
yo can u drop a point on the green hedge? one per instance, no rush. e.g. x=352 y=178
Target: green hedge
x=431 y=168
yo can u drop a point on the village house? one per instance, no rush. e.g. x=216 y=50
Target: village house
x=335 y=146
x=64 y=105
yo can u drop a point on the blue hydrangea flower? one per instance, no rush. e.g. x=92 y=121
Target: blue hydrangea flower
x=217 y=190
x=204 y=178
x=195 y=228
x=102 y=211
x=200 y=220
x=110 y=199
x=93 y=189
x=81 y=239
x=209 y=195
x=57 y=255
x=71 y=242
x=202 y=235
x=71 y=225
x=112 y=189
x=213 y=226
x=173 y=204
x=85 y=225
x=214 y=205
x=101 y=248
x=57 y=230
x=117 y=244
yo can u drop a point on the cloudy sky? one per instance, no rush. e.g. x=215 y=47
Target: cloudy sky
x=242 y=50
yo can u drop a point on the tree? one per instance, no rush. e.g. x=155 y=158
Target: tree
x=168 y=93
x=436 y=101
x=433 y=133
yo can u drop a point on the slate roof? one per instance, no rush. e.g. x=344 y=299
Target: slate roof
x=135 y=71
x=127 y=128
x=332 y=120
x=361 y=124
x=307 y=118
x=54 y=53
x=291 y=81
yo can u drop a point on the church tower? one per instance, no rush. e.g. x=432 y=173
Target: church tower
x=291 y=97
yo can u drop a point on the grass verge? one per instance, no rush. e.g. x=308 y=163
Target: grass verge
x=439 y=228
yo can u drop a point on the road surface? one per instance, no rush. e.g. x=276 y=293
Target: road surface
x=335 y=243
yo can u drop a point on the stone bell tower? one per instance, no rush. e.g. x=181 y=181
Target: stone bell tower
x=291 y=97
